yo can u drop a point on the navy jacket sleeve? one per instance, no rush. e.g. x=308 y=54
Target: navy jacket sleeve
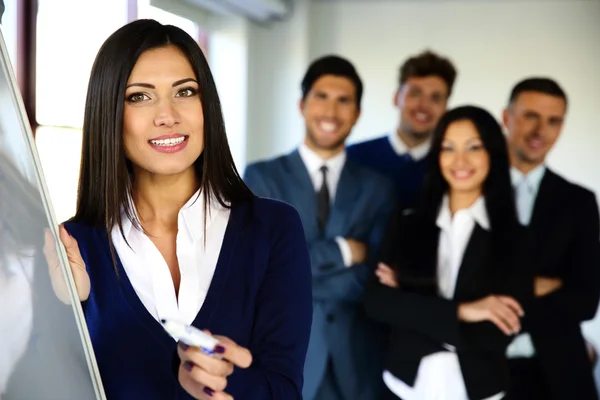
x=256 y=181
x=325 y=255
x=326 y=258
x=283 y=315
x=350 y=282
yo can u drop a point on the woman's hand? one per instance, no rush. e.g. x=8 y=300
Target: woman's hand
x=76 y=263
x=503 y=311
x=204 y=376
x=386 y=275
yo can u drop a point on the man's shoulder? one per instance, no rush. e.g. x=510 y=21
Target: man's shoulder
x=373 y=184
x=368 y=174
x=367 y=145
x=574 y=190
x=267 y=164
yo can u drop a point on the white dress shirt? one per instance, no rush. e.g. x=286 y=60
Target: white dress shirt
x=526 y=190
x=16 y=315
x=313 y=163
x=416 y=153
x=149 y=273
x=439 y=376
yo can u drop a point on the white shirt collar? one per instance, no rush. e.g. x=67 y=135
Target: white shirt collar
x=477 y=212
x=416 y=153
x=314 y=162
x=192 y=214
x=533 y=177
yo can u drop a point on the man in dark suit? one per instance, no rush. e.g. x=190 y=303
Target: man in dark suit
x=549 y=359
x=344 y=208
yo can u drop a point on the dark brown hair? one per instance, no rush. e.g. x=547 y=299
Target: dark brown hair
x=429 y=63
x=105 y=179
x=332 y=65
x=537 y=84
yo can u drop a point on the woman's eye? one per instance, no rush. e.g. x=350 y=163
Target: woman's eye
x=187 y=92
x=137 y=97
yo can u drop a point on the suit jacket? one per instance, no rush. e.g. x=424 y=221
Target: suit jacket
x=259 y=297
x=565 y=226
x=341 y=330
x=422 y=321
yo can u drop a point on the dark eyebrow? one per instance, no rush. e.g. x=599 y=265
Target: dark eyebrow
x=149 y=86
x=182 y=81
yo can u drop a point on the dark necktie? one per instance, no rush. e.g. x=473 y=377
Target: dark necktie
x=323 y=201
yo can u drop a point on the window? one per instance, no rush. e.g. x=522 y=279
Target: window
x=65 y=50
x=9 y=29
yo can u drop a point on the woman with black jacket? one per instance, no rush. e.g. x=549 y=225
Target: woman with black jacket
x=454 y=276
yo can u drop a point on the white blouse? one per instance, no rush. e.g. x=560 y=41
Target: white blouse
x=149 y=273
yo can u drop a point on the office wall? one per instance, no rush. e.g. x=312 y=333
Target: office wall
x=493 y=44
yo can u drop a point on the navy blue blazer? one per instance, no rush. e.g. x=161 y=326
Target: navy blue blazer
x=363 y=202
x=259 y=297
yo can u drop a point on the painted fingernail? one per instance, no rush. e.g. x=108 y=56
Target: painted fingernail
x=219 y=349
x=209 y=391
x=188 y=366
x=183 y=346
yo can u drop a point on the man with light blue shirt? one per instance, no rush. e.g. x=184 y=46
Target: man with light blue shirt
x=549 y=358
x=344 y=209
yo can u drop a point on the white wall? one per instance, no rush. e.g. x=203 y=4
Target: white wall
x=493 y=43
x=278 y=55
x=228 y=53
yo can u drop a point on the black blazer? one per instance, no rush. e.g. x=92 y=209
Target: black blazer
x=565 y=227
x=422 y=321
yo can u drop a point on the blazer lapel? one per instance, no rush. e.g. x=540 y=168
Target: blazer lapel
x=302 y=192
x=345 y=202
x=543 y=206
x=228 y=250
x=473 y=267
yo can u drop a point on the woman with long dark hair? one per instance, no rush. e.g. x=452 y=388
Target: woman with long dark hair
x=165 y=229
x=454 y=277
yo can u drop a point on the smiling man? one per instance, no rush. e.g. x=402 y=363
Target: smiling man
x=549 y=359
x=344 y=208
x=425 y=84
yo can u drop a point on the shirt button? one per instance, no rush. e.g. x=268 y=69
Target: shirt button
x=330 y=318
